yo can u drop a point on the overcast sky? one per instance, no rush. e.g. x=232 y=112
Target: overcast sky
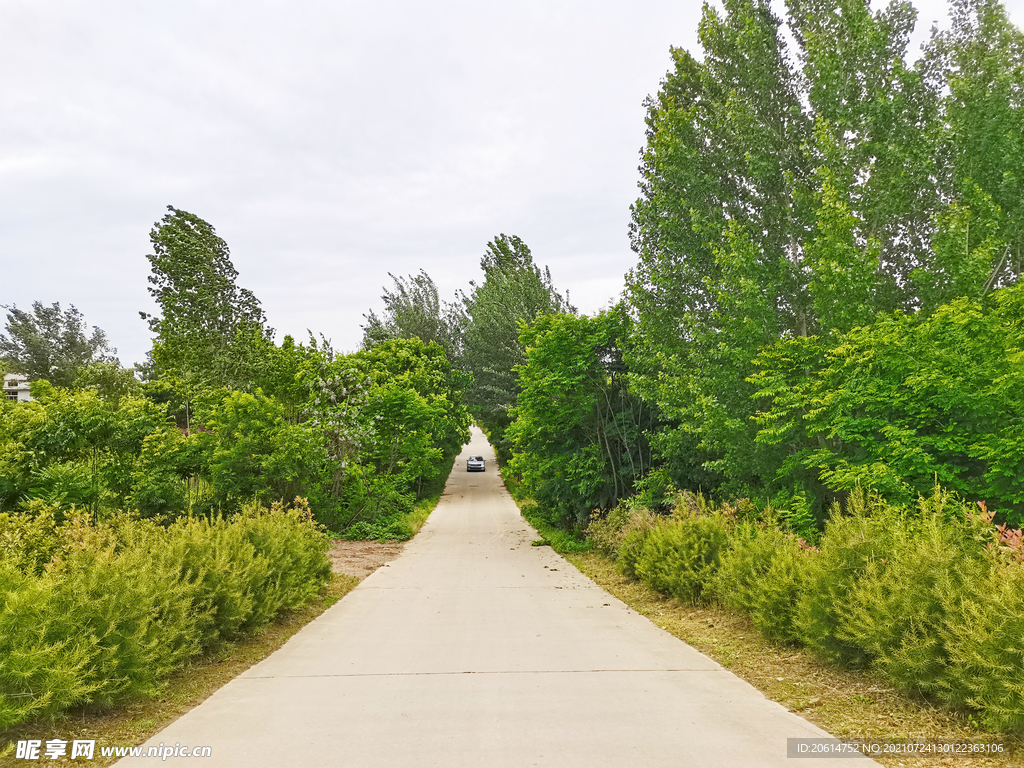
x=329 y=143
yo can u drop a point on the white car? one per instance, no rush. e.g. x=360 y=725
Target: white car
x=475 y=464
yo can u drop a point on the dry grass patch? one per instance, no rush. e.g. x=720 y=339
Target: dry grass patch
x=132 y=724
x=852 y=703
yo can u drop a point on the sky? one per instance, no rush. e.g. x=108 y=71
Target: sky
x=329 y=143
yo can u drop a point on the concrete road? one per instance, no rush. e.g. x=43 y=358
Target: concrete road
x=475 y=649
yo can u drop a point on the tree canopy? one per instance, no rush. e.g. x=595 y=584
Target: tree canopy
x=51 y=343
x=804 y=190
x=413 y=310
x=513 y=294
x=208 y=326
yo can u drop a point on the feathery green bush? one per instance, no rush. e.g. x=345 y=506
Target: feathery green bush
x=899 y=605
x=679 y=557
x=777 y=591
x=852 y=540
x=761 y=572
x=984 y=641
x=631 y=539
x=119 y=605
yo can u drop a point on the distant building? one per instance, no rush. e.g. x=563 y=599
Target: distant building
x=16 y=388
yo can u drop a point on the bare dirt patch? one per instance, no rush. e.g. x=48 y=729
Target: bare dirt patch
x=361 y=558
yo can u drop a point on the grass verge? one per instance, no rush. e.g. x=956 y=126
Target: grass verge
x=415 y=519
x=132 y=724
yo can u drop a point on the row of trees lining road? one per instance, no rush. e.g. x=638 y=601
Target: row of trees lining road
x=142 y=522
x=480 y=332
x=829 y=241
x=796 y=203
x=223 y=415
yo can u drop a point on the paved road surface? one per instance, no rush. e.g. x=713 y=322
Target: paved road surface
x=475 y=649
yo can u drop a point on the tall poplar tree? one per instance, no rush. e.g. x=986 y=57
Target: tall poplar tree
x=797 y=192
x=208 y=327
x=413 y=310
x=514 y=293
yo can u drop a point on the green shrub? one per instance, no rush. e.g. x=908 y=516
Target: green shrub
x=933 y=598
x=776 y=593
x=30 y=539
x=632 y=535
x=96 y=627
x=370 y=506
x=118 y=606
x=605 y=531
x=749 y=555
x=762 y=572
x=290 y=539
x=383 y=529
x=679 y=557
x=984 y=641
x=851 y=541
x=897 y=609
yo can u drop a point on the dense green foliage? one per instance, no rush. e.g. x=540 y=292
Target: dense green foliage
x=50 y=343
x=391 y=419
x=825 y=296
x=413 y=310
x=367 y=454
x=578 y=435
x=802 y=209
x=929 y=597
x=226 y=416
x=103 y=612
x=903 y=402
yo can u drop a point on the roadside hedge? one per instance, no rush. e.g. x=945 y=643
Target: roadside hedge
x=99 y=613
x=932 y=597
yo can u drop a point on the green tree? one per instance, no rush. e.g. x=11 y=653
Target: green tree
x=786 y=200
x=255 y=453
x=904 y=403
x=110 y=380
x=50 y=343
x=726 y=205
x=412 y=309
x=978 y=63
x=391 y=418
x=514 y=293
x=876 y=120
x=578 y=438
x=208 y=327
x=417 y=410
x=73 y=446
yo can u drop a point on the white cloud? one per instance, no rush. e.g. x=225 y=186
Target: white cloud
x=329 y=144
